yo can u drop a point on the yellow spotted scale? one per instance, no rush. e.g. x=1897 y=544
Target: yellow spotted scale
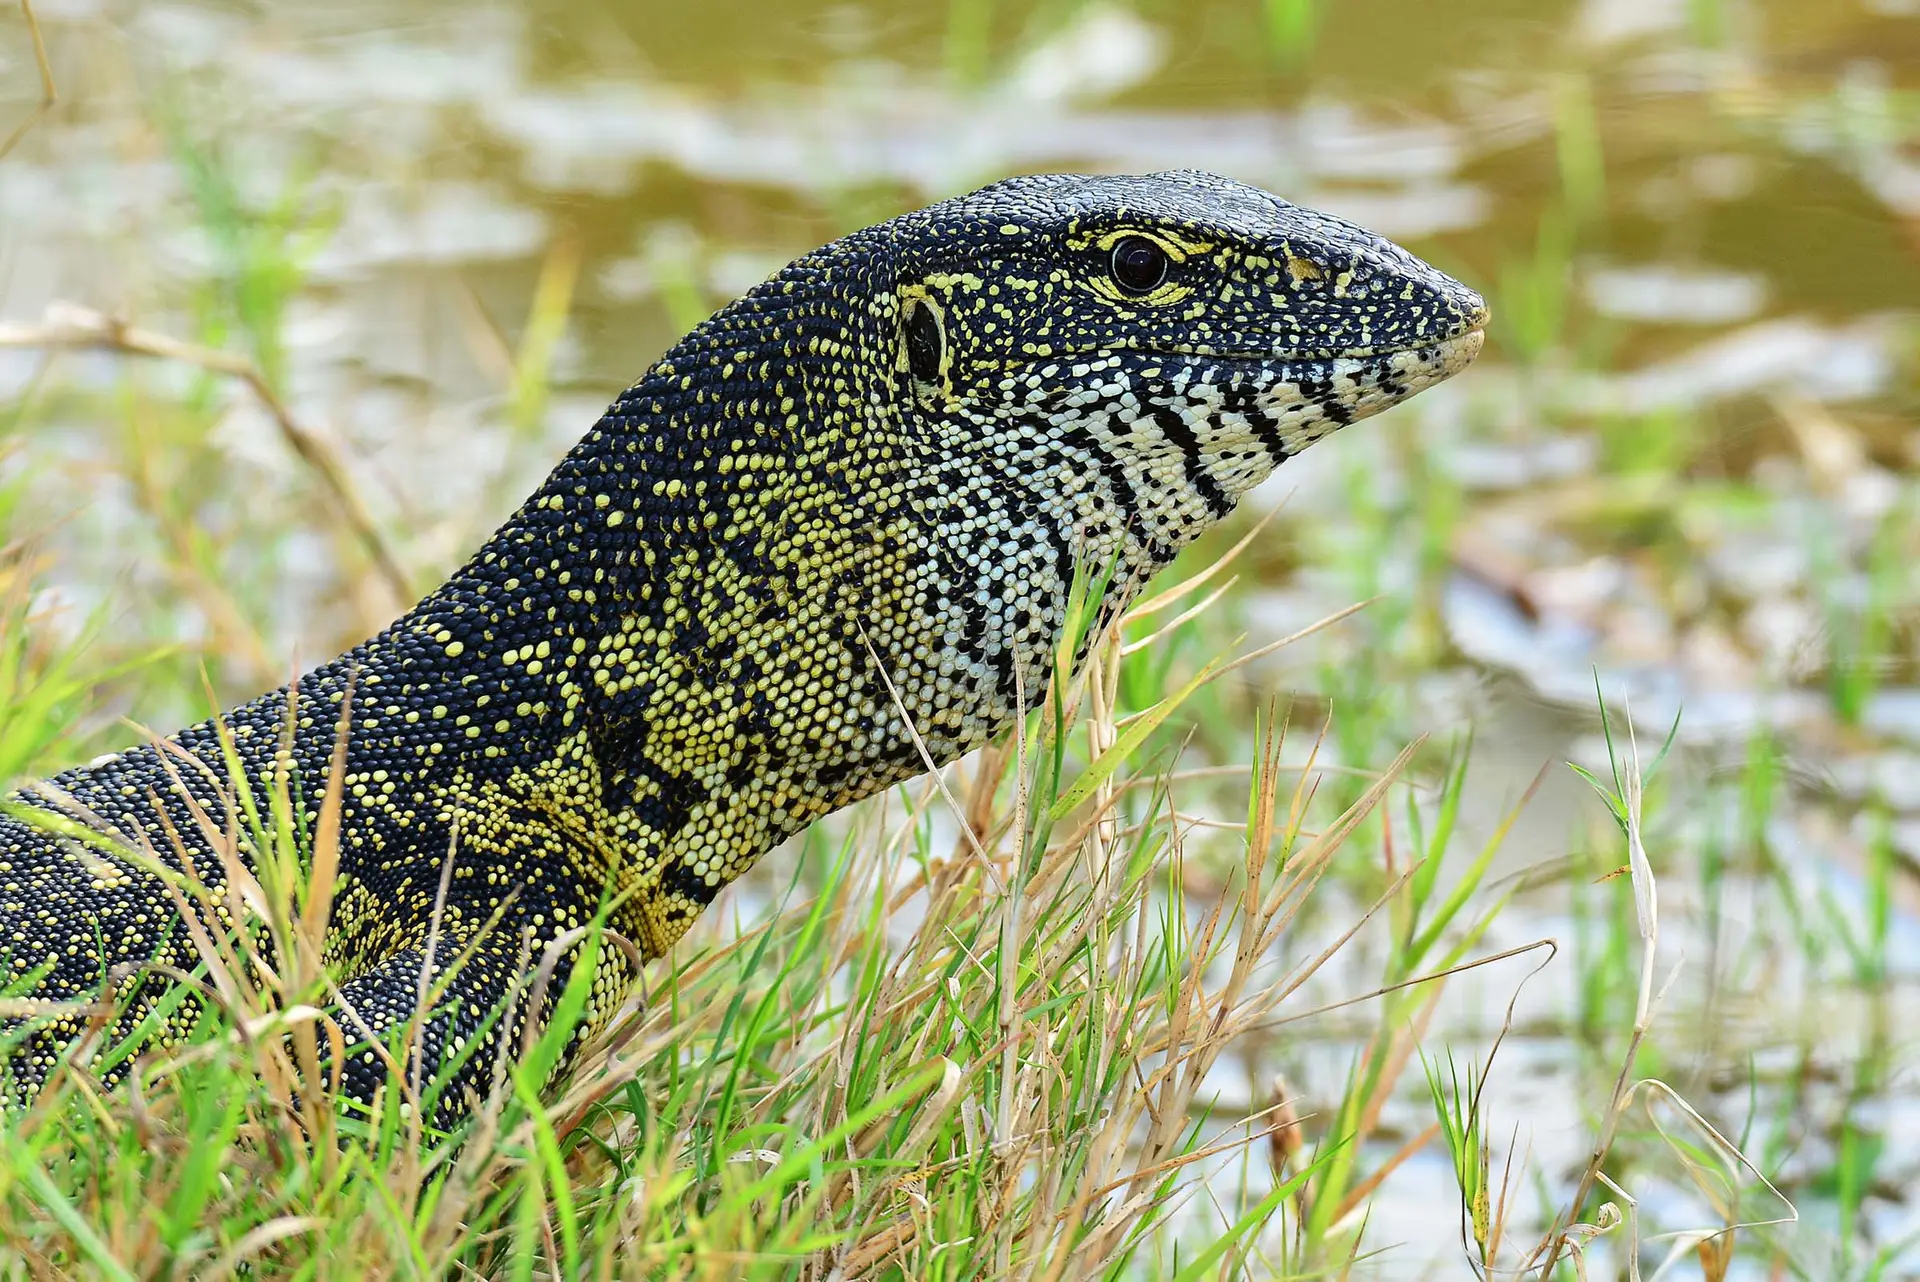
x=861 y=488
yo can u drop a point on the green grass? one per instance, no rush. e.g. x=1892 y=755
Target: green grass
x=973 y=1056
x=961 y=1059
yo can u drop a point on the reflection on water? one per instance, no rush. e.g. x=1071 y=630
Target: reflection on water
x=1684 y=468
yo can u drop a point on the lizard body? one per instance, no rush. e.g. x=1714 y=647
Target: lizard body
x=870 y=477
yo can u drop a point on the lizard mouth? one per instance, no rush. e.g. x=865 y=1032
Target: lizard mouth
x=1456 y=351
x=1349 y=388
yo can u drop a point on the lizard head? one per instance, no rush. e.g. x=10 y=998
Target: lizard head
x=1182 y=332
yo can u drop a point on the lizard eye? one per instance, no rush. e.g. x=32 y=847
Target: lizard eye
x=1139 y=265
x=921 y=331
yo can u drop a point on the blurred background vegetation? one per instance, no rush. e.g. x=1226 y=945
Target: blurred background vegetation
x=387 y=260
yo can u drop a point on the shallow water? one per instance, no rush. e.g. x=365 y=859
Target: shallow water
x=1683 y=470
